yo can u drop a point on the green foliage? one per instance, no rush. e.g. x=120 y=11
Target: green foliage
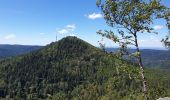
x=14 y=50
x=166 y=16
x=58 y=96
x=72 y=69
x=156 y=58
x=130 y=17
x=133 y=15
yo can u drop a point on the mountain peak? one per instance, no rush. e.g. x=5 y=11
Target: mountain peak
x=70 y=43
x=71 y=38
x=68 y=48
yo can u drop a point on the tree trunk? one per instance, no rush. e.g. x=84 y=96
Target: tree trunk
x=139 y=59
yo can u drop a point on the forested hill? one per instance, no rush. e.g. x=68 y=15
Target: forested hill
x=72 y=69
x=152 y=58
x=14 y=50
x=156 y=58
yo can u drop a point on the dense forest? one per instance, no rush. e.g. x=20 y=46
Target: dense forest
x=152 y=58
x=14 y=50
x=72 y=69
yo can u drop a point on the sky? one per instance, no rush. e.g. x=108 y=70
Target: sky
x=38 y=22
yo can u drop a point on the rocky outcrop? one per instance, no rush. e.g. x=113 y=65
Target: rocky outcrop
x=165 y=98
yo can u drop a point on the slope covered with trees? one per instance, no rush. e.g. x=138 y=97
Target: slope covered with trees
x=14 y=50
x=156 y=58
x=129 y=19
x=152 y=58
x=73 y=69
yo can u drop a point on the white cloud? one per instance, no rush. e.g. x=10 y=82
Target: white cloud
x=158 y=27
x=63 y=31
x=72 y=27
x=10 y=36
x=68 y=29
x=42 y=33
x=94 y=16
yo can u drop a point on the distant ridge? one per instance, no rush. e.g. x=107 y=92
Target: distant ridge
x=152 y=58
x=7 y=50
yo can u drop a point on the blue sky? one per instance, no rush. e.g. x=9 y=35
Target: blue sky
x=36 y=22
